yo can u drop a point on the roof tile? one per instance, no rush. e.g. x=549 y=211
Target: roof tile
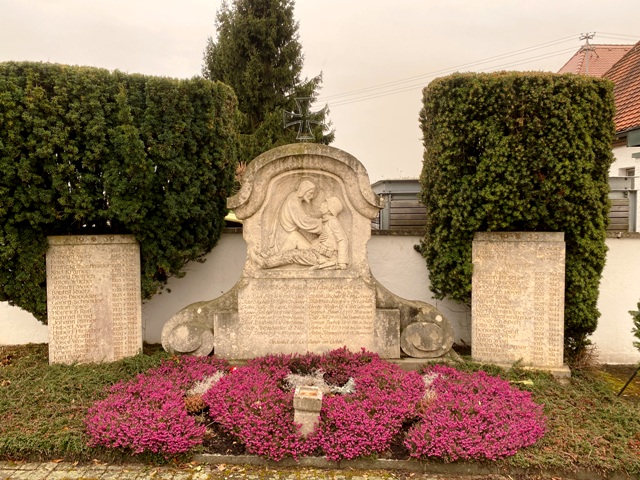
x=595 y=60
x=625 y=75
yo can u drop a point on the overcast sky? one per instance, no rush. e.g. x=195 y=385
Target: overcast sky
x=375 y=55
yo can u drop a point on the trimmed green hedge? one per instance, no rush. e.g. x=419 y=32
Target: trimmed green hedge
x=515 y=151
x=87 y=151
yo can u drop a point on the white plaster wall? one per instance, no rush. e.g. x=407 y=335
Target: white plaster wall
x=619 y=293
x=18 y=327
x=392 y=259
x=396 y=265
x=402 y=270
x=203 y=281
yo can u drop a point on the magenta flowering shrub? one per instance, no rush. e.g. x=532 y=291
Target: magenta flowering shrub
x=184 y=371
x=148 y=413
x=250 y=405
x=254 y=405
x=474 y=416
x=365 y=422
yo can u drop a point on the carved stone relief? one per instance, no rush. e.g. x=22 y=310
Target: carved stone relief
x=307 y=228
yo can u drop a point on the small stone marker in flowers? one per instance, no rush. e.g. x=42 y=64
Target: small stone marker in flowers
x=518 y=299
x=306 y=285
x=307 y=402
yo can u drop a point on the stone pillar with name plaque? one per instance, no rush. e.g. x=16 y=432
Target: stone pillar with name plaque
x=93 y=298
x=517 y=305
x=306 y=285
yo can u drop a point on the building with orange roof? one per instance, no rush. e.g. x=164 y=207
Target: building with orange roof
x=621 y=65
x=625 y=75
x=595 y=60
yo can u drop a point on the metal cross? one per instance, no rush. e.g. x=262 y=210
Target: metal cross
x=304 y=119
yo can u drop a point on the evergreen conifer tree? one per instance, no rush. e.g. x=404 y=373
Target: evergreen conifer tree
x=257 y=52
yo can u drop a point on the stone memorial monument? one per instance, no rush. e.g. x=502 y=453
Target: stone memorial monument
x=93 y=298
x=517 y=309
x=306 y=285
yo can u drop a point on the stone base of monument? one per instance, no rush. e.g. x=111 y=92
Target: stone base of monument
x=394 y=328
x=414 y=364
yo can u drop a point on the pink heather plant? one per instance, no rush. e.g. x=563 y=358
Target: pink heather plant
x=148 y=414
x=253 y=405
x=185 y=371
x=474 y=416
x=366 y=421
x=249 y=404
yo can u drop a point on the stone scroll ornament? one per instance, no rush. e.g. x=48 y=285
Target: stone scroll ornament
x=430 y=336
x=306 y=285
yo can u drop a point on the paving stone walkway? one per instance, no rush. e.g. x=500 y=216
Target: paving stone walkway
x=98 y=471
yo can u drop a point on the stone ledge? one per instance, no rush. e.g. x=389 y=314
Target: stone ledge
x=232 y=230
x=414 y=232
x=563 y=373
x=410 y=232
x=623 y=234
x=420 y=232
x=419 y=466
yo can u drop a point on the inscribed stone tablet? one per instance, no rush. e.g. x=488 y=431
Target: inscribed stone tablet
x=93 y=298
x=518 y=298
x=300 y=315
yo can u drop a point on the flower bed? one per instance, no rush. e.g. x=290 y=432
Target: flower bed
x=473 y=416
x=148 y=413
x=254 y=404
x=368 y=406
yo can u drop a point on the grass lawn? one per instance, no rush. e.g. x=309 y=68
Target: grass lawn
x=42 y=409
